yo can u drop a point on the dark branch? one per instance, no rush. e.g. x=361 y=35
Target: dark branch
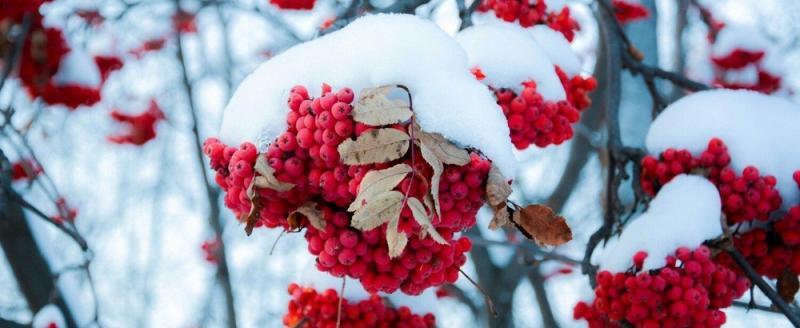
x=763 y=286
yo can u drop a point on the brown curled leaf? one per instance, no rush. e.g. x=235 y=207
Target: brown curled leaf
x=266 y=176
x=309 y=211
x=497 y=188
x=540 y=223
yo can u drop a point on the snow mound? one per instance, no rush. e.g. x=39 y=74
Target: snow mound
x=372 y=51
x=733 y=37
x=77 y=68
x=759 y=130
x=48 y=316
x=685 y=212
x=557 y=48
x=509 y=55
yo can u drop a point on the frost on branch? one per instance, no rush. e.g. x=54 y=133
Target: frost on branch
x=49 y=316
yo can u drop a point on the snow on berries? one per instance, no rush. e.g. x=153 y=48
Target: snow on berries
x=321 y=308
x=381 y=178
x=530 y=90
x=49 y=316
x=688 y=291
x=529 y=13
x=743 y=58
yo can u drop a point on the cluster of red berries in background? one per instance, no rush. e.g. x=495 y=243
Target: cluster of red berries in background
x=628 y=11
x=293 y=4
x=25 y=169
x=688 y=292
x=529 y=13
x=745 y=197
x=344 y=251
x=210 y=249
x=184 y=22
x=65 y=212
x=577 y=88
x=306 y=156
x=141 y=128
x=321 y=309
x=739 y=59
x=532 y=120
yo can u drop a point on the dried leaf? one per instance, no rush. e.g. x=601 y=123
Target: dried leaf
x=309 y=211
x=788 y=284
x=255 y=208
x=395 y=240
x=375 y=108
x=539 y=222
x=424 y=220
x=445 y=151
x=379 y=210
x=375 y=146
x=497 y=188
x=267 y=177
x=377 y=182
x=501 y=217
x=438 y=168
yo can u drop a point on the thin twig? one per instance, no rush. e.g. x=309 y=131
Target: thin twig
x=489 y=303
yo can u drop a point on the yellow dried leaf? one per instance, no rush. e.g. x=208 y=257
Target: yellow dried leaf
x=438 y=168
x=445 y=151
x=379 y=181
x=539 y=222
x=266 y=176
x=375 y=146
x=378 y=210
x=424 y=220
x=395 y=240
x=497 y=188
x=501 y=217
x=375 y=108
x=309 y=211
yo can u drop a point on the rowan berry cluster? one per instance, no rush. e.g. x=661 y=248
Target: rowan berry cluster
x=140 y=128
x=533 y=120
x=772 y=250
x=529 y=13
x=628 y=11
x=321 y=309
x=25 y=169
x=364 y=255
x=210 y=249
x=306 y=158
x=688 y=292
x=745 y=197
x=293 y=4
x=577 y=88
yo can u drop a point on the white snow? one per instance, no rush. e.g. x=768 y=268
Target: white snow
x=508 y=55
x=744 y=75
x=372 y=51
x=420 y=304
x=685 y=212
x=47 y=315
x=77 y=68
x=557 y=48
x=733 y=37
x=759 y=130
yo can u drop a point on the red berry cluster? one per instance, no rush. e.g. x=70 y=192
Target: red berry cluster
x=745 y=197
x=773 y=249
x=364 y=255
x=688 y=292
x=627 y=11
x=533 y=120
x=141 y=128
x=184 y=22
x=210 y=248
x=293 y=4
x=766 y=83
x=529 y=14
x=577 y=88
x=738 y=58
x=321 y=309
x=306 y=156
x=25 y=169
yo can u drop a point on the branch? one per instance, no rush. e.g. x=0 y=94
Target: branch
x=212 y=194
x=465 y=13
x=537 y=282
x=14 y=54
x=763 y=286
